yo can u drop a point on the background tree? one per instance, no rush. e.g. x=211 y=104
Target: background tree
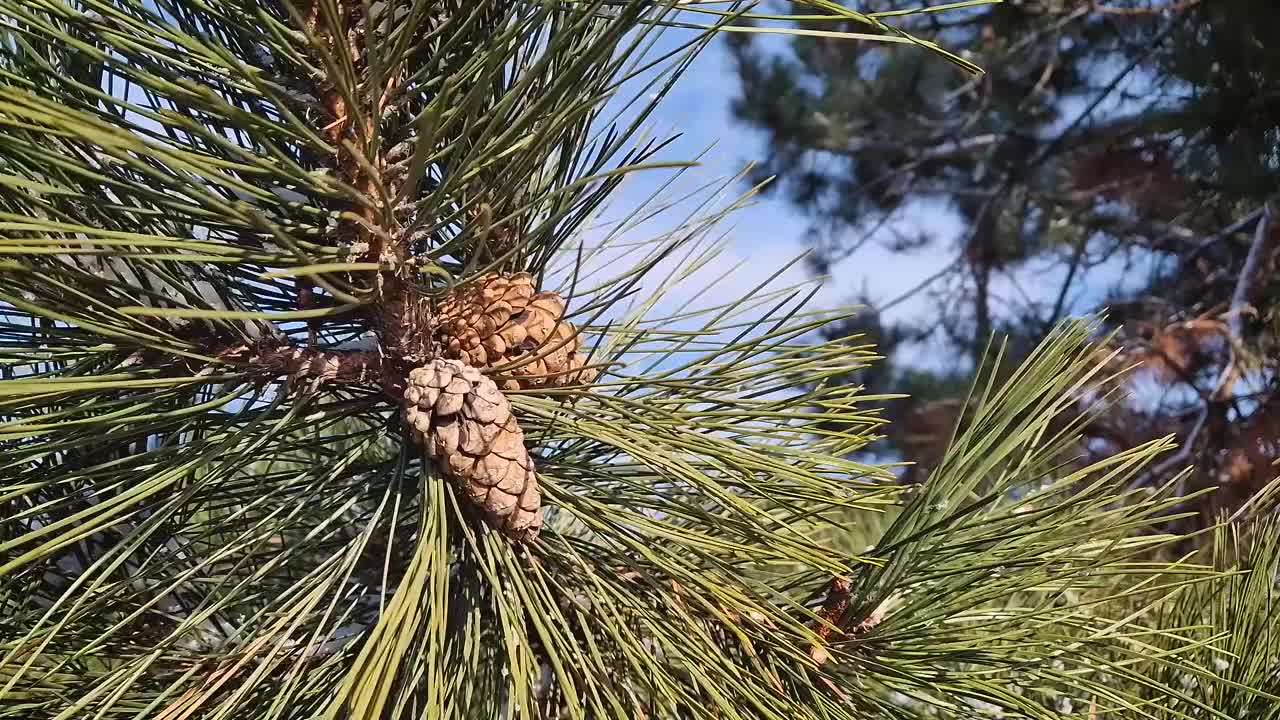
x=1117 y=154
x=319 y=403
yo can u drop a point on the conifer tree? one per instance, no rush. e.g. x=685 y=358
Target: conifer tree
x=1117 y=154
x=324 y=396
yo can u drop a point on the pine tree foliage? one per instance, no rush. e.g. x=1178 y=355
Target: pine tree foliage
x=1235 y=623
x=1117 y=153
x=227 y=227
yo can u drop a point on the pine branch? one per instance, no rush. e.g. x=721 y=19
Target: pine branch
x=326 y=367
x=183 y=539
x=358 y=159
x=1258 y=249
x=1222 y=387
x=1244 y=224
x=1171 y=7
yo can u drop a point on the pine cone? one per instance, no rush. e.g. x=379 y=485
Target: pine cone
x=465 y=424
x=500 y=320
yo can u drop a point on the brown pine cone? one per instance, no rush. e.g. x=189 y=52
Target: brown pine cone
x=501 y=320
x=465 y=424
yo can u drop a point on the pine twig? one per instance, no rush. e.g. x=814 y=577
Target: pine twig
x=328 y=366
x=1173 y=7
x=1243 y=224
x=357 y=158
x=1252 y=263
x=1235 y=338
x=297 y=364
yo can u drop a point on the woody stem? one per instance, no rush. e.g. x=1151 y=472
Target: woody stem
x=358 y=161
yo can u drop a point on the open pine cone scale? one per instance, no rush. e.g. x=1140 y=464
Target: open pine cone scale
x=502 y=321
